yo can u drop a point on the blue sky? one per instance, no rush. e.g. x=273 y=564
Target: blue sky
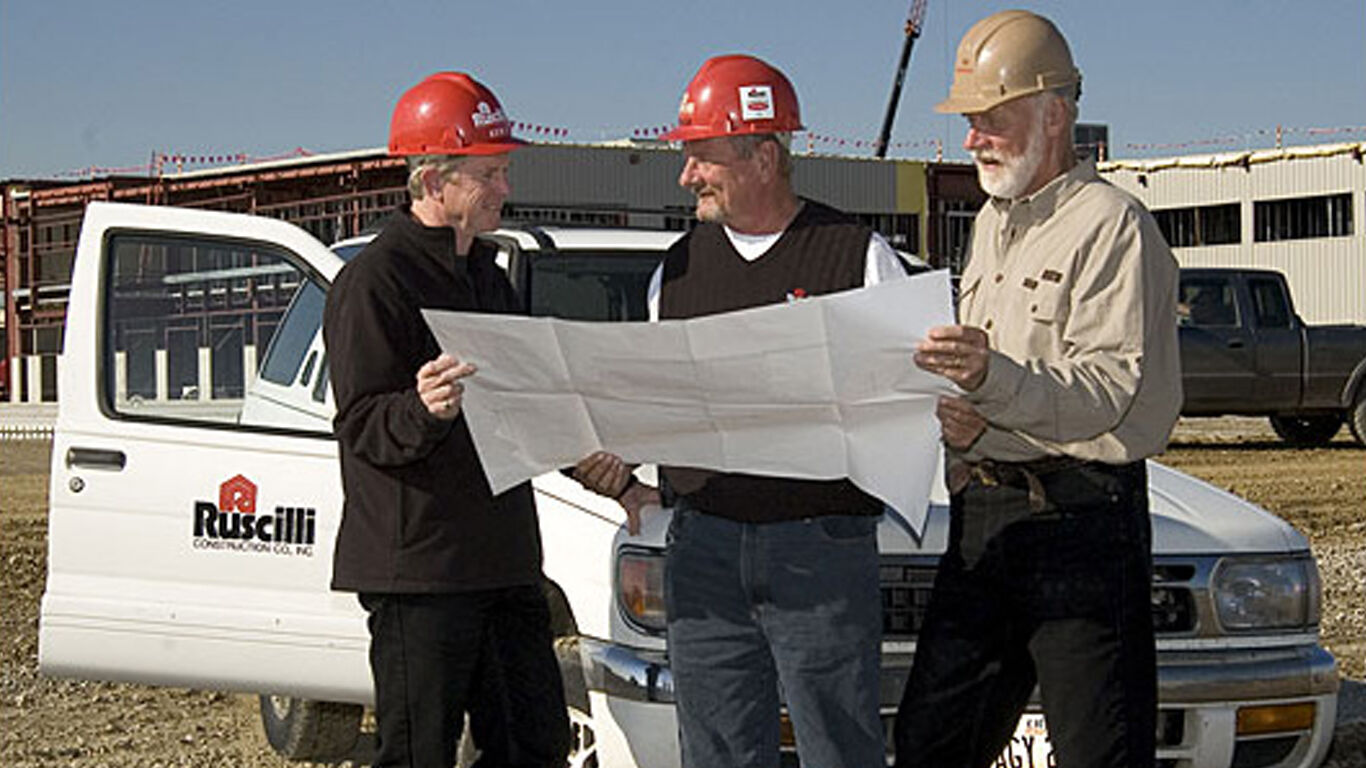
x=106 y=84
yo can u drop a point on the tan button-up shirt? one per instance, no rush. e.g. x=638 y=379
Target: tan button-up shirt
x=1076 y=289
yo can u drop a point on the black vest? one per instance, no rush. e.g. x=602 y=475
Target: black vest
x=822 y=251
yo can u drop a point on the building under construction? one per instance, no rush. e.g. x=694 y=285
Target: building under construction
x=1297 y=210
x=923 y=208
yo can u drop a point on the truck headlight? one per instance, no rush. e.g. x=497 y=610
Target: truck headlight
x=1267 y=593
x=640 y=588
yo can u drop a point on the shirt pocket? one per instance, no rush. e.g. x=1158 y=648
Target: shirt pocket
x=1046 y=305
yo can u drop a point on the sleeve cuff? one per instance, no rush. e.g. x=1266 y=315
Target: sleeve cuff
x=429 y=425
x=998 y=387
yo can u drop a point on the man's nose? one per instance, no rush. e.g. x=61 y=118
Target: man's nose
x=689 y=172
x=974 y=139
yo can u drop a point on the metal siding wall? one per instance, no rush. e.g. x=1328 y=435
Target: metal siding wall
x=912 y=194
x=637 y=178
x=857 y=186
x=1327 y=275
x=606 y=176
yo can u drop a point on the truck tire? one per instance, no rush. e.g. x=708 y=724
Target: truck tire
x=1356 y=417
x=1307 y=430
x=302 y=729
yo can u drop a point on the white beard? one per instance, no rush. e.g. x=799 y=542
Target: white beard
x=1011 y=175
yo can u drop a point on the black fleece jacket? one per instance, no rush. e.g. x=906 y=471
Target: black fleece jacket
x=419 y=515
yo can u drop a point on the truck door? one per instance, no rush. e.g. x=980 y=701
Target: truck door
x=188 y=545
x=1217 y=370
x=1276 y=340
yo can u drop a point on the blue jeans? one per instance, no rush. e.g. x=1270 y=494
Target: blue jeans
x=765 y=613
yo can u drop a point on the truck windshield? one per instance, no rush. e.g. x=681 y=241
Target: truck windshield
x=598 y=285
x=291 y=341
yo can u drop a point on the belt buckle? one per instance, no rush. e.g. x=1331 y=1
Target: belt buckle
x=986 y=475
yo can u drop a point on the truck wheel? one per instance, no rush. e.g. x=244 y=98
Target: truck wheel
x=302 y=729
x=1356 y=417
x=1307 y=430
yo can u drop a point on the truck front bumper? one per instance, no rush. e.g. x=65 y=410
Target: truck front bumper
x=1218 y=707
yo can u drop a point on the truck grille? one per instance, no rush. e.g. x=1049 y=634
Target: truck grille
x=906 y=594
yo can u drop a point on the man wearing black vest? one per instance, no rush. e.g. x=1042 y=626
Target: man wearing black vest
x=771 y=583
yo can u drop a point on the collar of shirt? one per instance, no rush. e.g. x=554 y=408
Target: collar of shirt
x=751 y=247
x=437 y=243
x=1025 y=211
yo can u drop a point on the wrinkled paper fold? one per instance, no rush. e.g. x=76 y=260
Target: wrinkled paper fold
x=820 y=388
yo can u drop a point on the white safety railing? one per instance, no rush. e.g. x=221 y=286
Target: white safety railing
x=27 y=421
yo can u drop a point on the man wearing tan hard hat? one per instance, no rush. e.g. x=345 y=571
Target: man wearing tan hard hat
x=1068 y=364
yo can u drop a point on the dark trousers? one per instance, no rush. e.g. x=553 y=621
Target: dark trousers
x=488 y=653
x=1059 y=596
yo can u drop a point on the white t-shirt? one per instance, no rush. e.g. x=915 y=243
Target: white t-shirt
x=882 y=262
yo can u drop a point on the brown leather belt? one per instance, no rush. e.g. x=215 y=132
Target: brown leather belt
x=1024 y=475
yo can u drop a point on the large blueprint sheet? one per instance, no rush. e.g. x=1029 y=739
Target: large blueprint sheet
x=822 y=388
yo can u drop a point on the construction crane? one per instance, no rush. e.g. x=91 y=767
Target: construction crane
x=913 y=22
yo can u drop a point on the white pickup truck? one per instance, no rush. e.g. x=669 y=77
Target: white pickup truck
x=195 y=496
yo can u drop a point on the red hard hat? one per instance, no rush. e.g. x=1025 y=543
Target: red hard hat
x=450 y=113
x=734 y=95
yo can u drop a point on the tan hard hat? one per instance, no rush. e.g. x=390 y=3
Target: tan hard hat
x=1005 y=56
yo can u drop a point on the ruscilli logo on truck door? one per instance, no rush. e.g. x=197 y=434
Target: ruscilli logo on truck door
x=232 y=523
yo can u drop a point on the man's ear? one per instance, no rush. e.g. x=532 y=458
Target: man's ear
x=768 y=160
x=433 y=180
x=1055 y=117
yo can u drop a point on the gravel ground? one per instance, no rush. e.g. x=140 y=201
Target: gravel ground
x=49 y=723
x=1322 y=492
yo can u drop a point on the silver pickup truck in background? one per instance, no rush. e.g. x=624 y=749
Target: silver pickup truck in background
x=1245 y=351
x=195 y=497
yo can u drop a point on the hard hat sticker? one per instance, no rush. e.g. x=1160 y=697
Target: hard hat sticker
x=485 y=116
x=685 y=110
x=756 y=102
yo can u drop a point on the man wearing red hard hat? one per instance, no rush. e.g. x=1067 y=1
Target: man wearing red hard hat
x=772 y=583
x=449 y=573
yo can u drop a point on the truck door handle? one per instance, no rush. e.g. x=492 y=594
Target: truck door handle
x=1235 y=343
x=95 y=458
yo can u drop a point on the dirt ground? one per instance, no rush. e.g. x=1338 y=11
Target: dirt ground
x=46 y=722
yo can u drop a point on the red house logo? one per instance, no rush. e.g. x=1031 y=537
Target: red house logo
x=237 y=495
x=233 y=525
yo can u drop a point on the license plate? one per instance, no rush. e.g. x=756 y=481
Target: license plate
x=1029 y=747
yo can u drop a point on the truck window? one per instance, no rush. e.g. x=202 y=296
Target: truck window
x=185 y=321
x=290 y=343
x=583 y=285
x=1207 y=301
x=1269 y=303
